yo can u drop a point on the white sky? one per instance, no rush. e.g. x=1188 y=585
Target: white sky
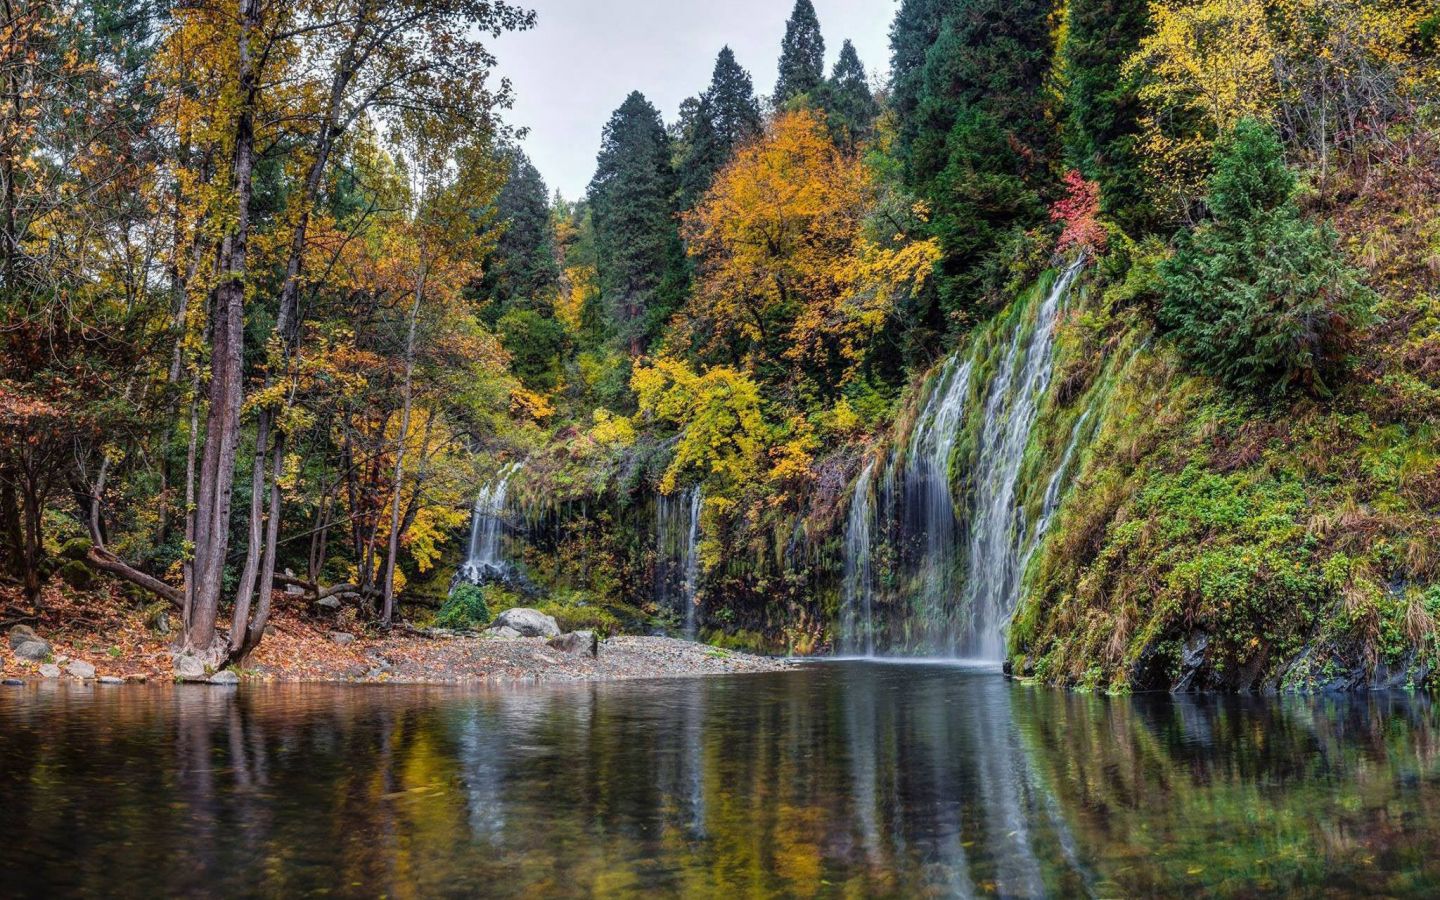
x=576 y=66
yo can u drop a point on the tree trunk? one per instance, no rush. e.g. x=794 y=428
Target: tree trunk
x=388 y=611
x=222 y=426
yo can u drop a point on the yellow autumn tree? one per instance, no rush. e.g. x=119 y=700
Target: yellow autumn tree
x=722 y=434
x=789 y=274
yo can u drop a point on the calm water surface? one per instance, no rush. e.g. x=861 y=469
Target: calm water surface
x=845 y=779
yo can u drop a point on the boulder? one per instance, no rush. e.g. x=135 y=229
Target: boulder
x=343 y=638
x=34 y=651
x=189 y=668
x=579 y=642
x=503 y=632
x=22 y=634
x=49 y=670
x=80 y=669
x=331 y=603
x=529 y=622
x=224 y=676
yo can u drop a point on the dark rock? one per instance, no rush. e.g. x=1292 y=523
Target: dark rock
x=77 y=574
x=1192 y=662
x=14 y=682
x=579 y=642
x=110 y=679
x=529 y=622
x=34 y=651
x=22 y=634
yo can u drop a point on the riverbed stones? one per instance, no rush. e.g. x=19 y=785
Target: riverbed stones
x=225 y=676
x=79 y=668
x=342 y=638
x=582 y=643
x=49 y=670
x=189 y=668
x=28 y=645
x=529 y=622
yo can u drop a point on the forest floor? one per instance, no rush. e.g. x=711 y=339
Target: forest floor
x=113 y=635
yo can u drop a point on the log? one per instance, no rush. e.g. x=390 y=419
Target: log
x=111 y=564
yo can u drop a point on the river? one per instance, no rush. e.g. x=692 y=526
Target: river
x=835 y=779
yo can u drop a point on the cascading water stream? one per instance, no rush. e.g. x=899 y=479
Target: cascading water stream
x=485 y=558
x=857 y=633
x=677 y=562
x=917 y=508
x=997 y=524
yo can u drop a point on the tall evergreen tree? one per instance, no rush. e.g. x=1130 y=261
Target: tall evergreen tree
x=726 y=116
x=974 y=137
x=852 y=108
x=802 y=55
x=1102 y=106
x=522 y=270
x=639 y=258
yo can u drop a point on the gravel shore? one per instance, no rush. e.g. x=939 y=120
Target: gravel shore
x=450 y=660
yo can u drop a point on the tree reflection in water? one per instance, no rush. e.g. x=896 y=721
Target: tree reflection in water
x=846 y=778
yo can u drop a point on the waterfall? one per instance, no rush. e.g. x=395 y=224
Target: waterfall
x=937 y=540
x=997 y=525
x=677 y=560
x=929 y=506
x=857 y=633
x=485 y=558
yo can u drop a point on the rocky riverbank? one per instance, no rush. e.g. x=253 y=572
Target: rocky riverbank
x=116 y=644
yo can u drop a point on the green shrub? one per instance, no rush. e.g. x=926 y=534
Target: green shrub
x=465 y=609
x=1258 y=296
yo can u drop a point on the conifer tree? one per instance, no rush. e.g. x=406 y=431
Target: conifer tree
x=851 y=107
x=725 y=117
x=522 y=270
x=802 y=55
x=1102 y=103
x=639 y=258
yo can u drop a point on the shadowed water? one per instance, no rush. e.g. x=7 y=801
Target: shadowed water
x=840 y=779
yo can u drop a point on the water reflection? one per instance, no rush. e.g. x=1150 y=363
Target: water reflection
x=841 y=779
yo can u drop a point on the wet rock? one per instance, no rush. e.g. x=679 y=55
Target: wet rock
x=342 y=638
x=34 y=651
x=14 y=682
x=225 y=676
x=529 y=622
x=579 y=642
x=49 y=670
x=1192 y=661
x=110 y=679
x=189 y=668
x=80 y=669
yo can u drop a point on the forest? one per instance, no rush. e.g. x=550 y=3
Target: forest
x=1099 y=337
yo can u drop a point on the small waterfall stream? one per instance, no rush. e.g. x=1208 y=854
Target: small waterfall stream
x=961 y=564
x=485 y=558
x=677 y=560
x=856 y=616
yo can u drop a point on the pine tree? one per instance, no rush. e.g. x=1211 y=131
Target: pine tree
x=522 y=270
x=639 y=257
x=802 y=55
x=974 y=138
x=852 y=108
x=725 y=117
x=1102 y=106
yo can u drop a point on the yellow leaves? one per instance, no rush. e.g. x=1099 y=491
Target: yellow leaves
x=611 y=430
x=579 y=284
x=786 y=265
x=527 y=404
x=718 y=412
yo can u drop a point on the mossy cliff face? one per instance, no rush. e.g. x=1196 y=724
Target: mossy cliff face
x=1211 y=540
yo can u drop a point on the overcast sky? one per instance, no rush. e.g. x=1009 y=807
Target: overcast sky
x=576 y=66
